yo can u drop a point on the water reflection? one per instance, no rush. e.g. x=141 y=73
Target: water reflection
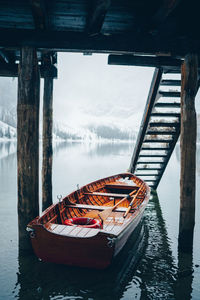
x=183 y=286
x=7 y=148
x=95 y=149
x=151 y=275
x=157 y=267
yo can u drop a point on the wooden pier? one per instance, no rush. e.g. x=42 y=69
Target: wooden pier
x=145 y=33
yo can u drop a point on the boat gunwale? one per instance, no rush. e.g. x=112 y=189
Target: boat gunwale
x=37 y=220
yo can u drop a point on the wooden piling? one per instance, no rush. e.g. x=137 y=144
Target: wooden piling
x=28 y=141
x=189 y=78
x=47 y=134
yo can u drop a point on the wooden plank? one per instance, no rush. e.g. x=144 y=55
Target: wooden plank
x=96 y=16
x=81 y=42
x=170 y=105
x=28 y=141
x=114 y=195
x=164 y=124
x=163 y=114
x=121 y=186
x=62 y=229
x=165 y=9
x=143 y=61
x=154 y=148
x=152 y=155
x=153 y=132
x=39 y=12
x=149 y=169
x=93 y=207
x=11 y=70
x=170 y=94
x=83 y=232
x=47 y=135
x=189 y=77
x=150 y=162
x=157 y=141
x=74 y=232
x=170 y=82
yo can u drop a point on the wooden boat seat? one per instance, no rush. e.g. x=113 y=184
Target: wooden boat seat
x=114 y=195
x=121 y=186
x=95 y=207
x=71 y=231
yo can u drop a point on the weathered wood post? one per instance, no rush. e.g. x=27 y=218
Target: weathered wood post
x=47 y=132
x=28 y=141
x=189 y=78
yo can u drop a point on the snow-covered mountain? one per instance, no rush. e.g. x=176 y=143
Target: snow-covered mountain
x=92 y=132
x=64 y=132
x=7 y=132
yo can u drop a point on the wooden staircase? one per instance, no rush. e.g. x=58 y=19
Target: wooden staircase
x=160 y=127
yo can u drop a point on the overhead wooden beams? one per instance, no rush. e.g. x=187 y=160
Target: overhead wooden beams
x=96 y=16
x=189 y=78
x=39 y=12
x=144 y=61
x=81 y=42
x=166 y=8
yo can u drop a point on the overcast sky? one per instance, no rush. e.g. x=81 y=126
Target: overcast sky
x=88 y=90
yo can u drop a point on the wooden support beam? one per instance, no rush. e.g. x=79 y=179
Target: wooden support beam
x=189 y=77
x=96 y=16
x=144 y=61
x=11 y=70
x=4 y=56
x=47 y=133
x=28 y=141
x=127 y=43
x=39 y=12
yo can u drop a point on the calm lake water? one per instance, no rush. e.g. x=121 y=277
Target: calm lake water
x=156 y=272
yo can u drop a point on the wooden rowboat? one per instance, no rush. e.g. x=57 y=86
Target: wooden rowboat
x=100 y=217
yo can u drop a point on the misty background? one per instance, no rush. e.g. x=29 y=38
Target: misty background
x=92 y=100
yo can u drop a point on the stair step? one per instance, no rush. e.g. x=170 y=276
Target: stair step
x=172 y=71
x=136 y=174
x=172 y=105
x=164 y=124
x=147 y=169
x=154 y=155
x=151 y=180
x=146 y=175
x=157 y=141
x=160 y=114
x=170 y=94
x=150 y=162
x=171 y=82
x=152 y=132
x=155 y=148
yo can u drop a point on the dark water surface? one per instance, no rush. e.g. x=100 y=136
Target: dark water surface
x=149 y=268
